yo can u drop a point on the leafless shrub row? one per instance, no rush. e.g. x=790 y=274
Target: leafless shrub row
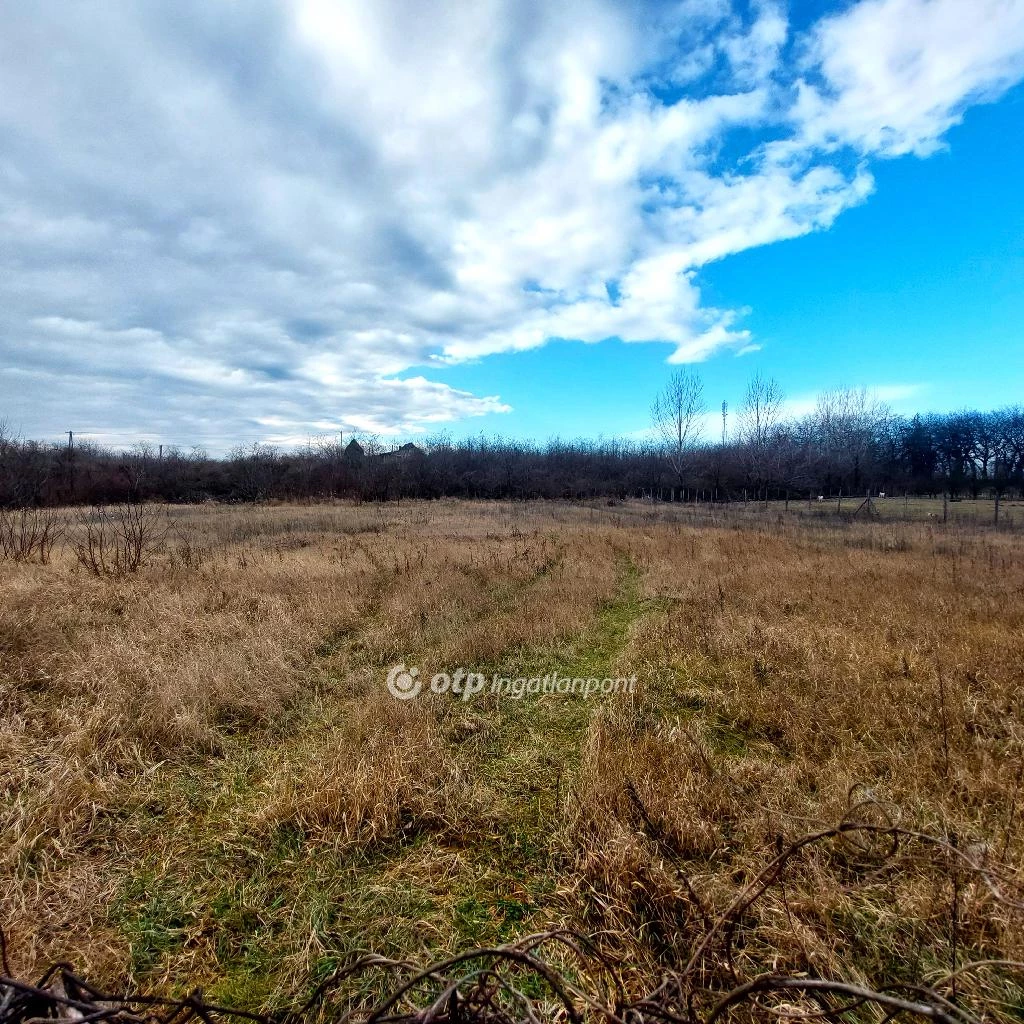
x=29 y=534
x=108 y=541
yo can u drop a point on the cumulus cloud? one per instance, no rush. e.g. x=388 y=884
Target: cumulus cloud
x=223 y=221
x=894 y=75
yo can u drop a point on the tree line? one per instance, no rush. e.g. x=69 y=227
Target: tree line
x=850 y=444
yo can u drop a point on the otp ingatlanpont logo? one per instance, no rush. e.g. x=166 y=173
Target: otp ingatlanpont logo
x=404 y=683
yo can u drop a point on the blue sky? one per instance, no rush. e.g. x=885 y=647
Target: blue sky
x=918 y=293
x=284 y=219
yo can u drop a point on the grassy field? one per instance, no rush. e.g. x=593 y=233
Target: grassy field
x=205 y=781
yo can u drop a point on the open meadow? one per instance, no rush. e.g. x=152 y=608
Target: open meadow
x=204 y=780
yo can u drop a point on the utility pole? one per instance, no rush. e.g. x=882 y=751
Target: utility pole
x=995 y=480
x=725 y=418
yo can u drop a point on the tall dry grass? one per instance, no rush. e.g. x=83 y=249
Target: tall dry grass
x=202 y=774
x=798 y=672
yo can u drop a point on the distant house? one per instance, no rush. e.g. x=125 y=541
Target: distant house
x=404 y=454
x=354 y=451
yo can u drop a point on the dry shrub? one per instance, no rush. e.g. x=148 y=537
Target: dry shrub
x=30 y=534
x=120 y=539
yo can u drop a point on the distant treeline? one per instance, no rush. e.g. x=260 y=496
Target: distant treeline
x=848 y=446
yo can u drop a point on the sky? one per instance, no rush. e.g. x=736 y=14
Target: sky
x=278 y=220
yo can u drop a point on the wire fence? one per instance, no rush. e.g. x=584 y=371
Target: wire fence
x=967 y=513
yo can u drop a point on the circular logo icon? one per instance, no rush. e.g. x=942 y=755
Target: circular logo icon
x=403 y=683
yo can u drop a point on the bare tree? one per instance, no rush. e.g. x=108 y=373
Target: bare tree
x=760 y=419
x=26 y=468
x=677 y=414
x=846 y=426
x=255 y=469
x=137 y=468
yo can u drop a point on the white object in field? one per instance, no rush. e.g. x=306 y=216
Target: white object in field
x=881 y=494
x=821 y=497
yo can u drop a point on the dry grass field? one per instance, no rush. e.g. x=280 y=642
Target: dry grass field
x=204 y=781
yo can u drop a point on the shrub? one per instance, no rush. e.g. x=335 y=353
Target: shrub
x=119 y=540
x=27 y=534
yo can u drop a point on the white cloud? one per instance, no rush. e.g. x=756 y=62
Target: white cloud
x=897 y=74
x=754 y=54
x=220 y=220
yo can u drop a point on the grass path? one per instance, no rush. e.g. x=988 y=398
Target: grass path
x=497 y=876
x=248 y=901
